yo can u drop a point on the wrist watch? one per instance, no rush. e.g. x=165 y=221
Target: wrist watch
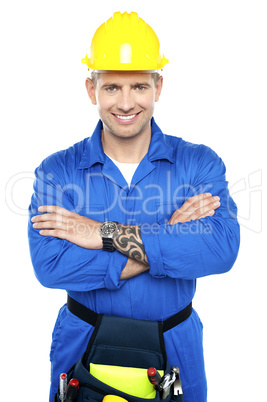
x=108 y=230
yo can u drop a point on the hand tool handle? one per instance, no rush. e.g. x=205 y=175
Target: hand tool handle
x=62 y=386
x=72 y=390
x=154 y=377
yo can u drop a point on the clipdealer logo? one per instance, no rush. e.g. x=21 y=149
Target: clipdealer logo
x=18 y=191
x=247 y=192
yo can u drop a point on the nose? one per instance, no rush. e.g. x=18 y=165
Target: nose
x=126 y=101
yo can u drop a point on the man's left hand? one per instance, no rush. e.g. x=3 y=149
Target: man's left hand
x=63 y=224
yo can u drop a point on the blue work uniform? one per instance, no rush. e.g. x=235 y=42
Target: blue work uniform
x=84 y=180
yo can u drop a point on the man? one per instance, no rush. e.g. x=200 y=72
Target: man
x=171 y=219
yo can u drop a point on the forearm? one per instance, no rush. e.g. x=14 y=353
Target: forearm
x=128 y=242
x=133 y=268
x=62 y=264
x=185 y=250
x=192 y=249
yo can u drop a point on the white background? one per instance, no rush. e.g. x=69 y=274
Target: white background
x=215 y=93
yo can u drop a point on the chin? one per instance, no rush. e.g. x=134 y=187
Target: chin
x=127 y=131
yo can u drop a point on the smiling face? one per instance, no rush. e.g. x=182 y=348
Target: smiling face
x=125 y=102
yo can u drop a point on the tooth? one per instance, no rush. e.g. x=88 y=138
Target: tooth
x=126 y=117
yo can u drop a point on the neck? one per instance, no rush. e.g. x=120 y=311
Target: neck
x=125 y=150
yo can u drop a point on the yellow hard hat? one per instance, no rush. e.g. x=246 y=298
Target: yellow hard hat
x=125 y=43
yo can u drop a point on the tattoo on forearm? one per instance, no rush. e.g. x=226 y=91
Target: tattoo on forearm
x=128 y=242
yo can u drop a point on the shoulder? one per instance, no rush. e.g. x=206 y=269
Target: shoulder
x=64 y=160
x=189 y=149
x=193 y=157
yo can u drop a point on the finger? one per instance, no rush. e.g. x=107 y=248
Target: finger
x=194 y=205
x=212 y=210
x=203 y=211
x=195 y=200
x=197 y=210
x=54 y=209
x=50 y=224
x=209 y=213
x=54 y=212
x=43 y=217
x=49 y=217
x=60 y=234
x=212 y=204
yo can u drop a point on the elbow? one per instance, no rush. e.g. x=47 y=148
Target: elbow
x=45 y=256
x=44 y=267
x=234 y=244
x=43 y=279
x=43 y=275
x=229 y=259
x=224 y=253
x=229 y=252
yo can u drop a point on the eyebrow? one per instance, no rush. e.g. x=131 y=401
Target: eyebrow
x=136 y=84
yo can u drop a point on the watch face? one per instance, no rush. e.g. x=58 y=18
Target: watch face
x=108 y=228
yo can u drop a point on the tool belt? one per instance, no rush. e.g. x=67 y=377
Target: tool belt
x=122 y=346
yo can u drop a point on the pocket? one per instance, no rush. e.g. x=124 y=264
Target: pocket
x=89 y=392
x=128 y=356
x=93 y=389
x=96 y=390
x=118 y=377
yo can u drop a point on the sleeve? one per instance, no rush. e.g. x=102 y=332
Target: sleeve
x=58 y=263
x=202 y=247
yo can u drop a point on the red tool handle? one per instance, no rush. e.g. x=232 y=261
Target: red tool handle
x=72 y=390
x=154 y=376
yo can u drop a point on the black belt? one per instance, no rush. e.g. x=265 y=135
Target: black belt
x=90 y=316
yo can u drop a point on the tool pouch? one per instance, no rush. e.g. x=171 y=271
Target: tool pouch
x=123 y=342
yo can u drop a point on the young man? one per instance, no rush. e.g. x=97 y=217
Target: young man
x=130 y=217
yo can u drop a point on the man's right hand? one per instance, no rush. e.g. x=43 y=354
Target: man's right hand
x=199 y=206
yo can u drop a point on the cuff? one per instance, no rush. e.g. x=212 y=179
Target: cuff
x=117 y=262
x=151 y=240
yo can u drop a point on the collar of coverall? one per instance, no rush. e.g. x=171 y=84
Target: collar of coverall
x=159 y=147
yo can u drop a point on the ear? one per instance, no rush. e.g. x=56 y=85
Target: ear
x=158 y=88
x=90 y=90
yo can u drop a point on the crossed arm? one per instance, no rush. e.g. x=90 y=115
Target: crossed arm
x=84 y=232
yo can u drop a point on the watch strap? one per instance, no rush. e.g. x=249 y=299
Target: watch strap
x=108 y=244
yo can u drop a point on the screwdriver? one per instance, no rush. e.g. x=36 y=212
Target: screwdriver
x=154 y=377
x=62 y=386
x=72 y=390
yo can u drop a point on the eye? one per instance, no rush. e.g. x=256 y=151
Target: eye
x=111 y=89
x=140 y=87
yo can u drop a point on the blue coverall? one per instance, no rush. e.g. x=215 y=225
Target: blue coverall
x=83 y=179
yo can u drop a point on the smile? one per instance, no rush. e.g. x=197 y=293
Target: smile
x=126 y=118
